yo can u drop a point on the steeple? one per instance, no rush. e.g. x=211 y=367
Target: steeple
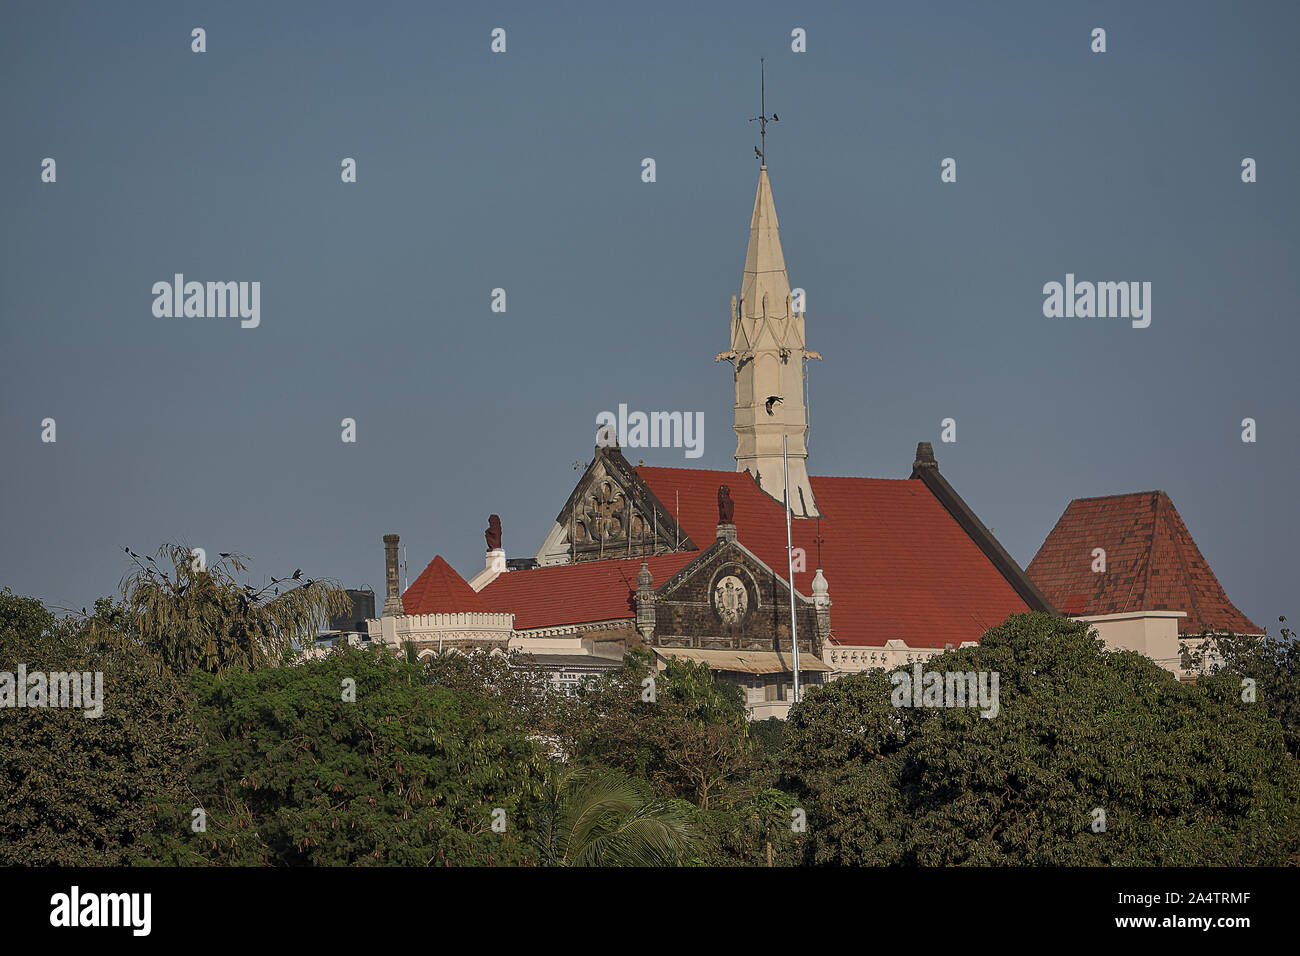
x=765 y=275
x=768 y=355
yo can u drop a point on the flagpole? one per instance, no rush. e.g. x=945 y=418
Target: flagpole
x=789 y=557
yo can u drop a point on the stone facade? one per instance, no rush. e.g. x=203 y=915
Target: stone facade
x=611 y=514
x=430 y=633
x=728 y=599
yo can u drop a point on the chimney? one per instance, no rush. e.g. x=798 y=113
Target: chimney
x=393 y=598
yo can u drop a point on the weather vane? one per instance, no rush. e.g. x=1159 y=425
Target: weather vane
x=763 y=118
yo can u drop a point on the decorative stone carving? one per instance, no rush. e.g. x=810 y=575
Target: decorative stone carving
x=612 y=513
x=603 y=513
x=493 y=533
x=726 y=507
x=730 y=600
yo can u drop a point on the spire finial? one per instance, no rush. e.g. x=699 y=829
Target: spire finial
x=762 y=117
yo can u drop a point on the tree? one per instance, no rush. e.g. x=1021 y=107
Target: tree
x=515 y=681
x=1083 y=739
x=765 y=816
x=769 y=734
x=1272 y=663
x=600 y=817
x=201 y=617
x=352 y=759
x=78 y=790
x=690 y=740
x=839 y=761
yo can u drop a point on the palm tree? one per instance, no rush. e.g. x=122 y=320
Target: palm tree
x=765 y=813
x=595 y=817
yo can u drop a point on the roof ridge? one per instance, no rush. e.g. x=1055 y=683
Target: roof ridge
x=1122 y=494
x=1157 y=514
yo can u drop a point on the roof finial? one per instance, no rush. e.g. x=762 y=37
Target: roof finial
x=762 y=117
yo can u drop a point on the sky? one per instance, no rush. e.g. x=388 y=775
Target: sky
x=522 y=171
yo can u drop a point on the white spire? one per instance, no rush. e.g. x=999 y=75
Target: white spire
x=767 y=351
x=765 y=273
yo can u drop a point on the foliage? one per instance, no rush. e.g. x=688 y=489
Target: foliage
x=77 y=790
x=751 y=827
x=407 y=774
x=1273 y=663
x=1185 y=773
x=690 y=741
x=769 y=734
x=598 y=817
x=523 y=689
x=202 y=618
x=289 y=768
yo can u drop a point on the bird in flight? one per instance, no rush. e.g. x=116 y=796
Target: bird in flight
x=772 y=400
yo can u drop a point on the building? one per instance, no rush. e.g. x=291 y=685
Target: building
x=438 y=612
x=693 y=563
x=1128 y=565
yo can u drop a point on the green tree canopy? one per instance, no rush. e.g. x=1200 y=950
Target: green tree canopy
x=78 y=790
x=1271 y=663
x=294 y=773
x=691 y=740
x=1186 y=774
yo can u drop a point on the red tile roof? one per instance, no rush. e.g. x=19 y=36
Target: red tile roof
x=440 y=590
x=897 y=563
x=577 y=593
x=1152 y=564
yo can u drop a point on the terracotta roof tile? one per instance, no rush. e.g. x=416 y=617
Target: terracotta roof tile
x=440 y=590
x=577 y=593
x=1152 y=564
x=897 y=563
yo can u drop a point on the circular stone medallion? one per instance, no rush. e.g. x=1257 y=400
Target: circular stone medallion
x=730 y=599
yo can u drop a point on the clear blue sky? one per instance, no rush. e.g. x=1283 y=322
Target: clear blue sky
x=522 y=171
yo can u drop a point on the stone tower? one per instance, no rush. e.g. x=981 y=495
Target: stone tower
x=768 y=355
